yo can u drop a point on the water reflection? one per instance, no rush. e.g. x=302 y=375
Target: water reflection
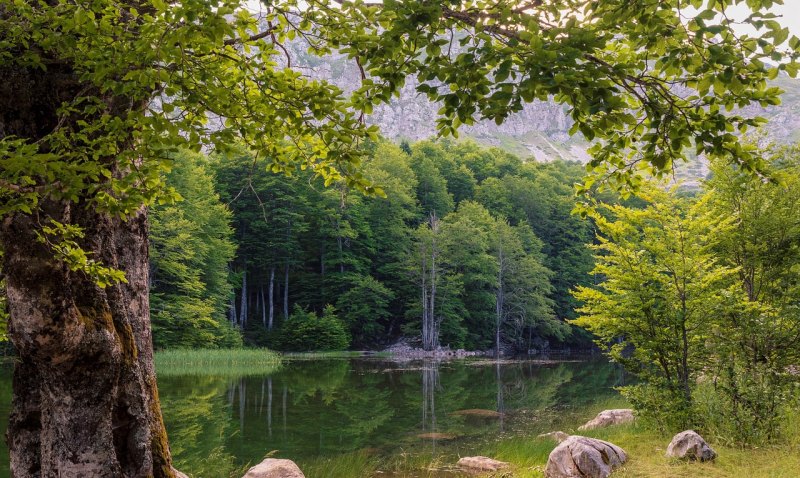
x=430 y=382
x=313 y=409
x=340 y=406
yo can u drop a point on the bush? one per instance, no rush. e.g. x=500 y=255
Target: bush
x=305 y=331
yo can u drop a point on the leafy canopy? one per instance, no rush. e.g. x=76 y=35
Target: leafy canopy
x=134 y=81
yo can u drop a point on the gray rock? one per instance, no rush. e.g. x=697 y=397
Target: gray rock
x=275 y=468
x=481 y=463
x=582 y=457
x=689 y=445
x=558 y=436
x=609 y=417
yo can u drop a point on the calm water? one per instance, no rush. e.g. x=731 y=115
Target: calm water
x=341 y=412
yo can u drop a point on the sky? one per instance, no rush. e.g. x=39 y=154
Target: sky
x=789 y=11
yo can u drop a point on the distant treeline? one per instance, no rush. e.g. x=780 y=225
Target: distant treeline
x=469 y=246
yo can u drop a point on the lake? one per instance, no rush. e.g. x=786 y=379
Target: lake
x=354 y=417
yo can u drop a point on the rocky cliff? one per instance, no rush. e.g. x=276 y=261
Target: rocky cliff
x=539 y=131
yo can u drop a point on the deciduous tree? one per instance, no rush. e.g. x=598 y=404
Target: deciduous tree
x=661 y=288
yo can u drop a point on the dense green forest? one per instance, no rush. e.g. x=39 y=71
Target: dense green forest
x=464 y=246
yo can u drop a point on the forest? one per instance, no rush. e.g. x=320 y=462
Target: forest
x=471 y=247
x=464 y=246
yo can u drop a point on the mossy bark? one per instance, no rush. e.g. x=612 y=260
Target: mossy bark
x=85 y=402
x=85 y=397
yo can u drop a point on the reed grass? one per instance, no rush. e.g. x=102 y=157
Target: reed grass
x=221 y=362
x=346 y=465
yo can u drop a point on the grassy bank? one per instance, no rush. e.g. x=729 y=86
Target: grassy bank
x=645 y=447
x=646 y=450
x=222 y=362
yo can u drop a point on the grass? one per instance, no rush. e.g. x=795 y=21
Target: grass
x=646 y=451
x=342 y=466
x=222 y=362
x=646 y=456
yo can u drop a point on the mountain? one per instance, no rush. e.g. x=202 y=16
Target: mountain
x=540 y=131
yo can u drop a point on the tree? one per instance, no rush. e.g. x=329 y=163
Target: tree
x=660 y=286
x=431 y=187
x=543 y=197
x=465 y=255
x=94 y=96
x=191 y=245
x=390 y=220
x=269 y=215
x=759 y=340
x=305 y=331
x=365 y=310
x=426 y=265
x=522 y=289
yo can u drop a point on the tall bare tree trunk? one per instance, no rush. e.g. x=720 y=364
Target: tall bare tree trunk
x=426 y=328
x=271 y=297
x=263 y=307
x=286 y=292
x=499 y=300
x=232 y=311
x=243 y=308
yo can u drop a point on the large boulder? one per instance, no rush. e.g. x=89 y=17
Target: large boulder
x=275 y=468
x=481 y=463
x=582 y=457
x=609 y=417
x=689 y=445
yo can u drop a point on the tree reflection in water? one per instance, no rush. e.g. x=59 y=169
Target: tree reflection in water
x=368 y=409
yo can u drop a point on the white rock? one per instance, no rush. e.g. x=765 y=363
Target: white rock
x=582 y=457
x=609 y=417
x=275 y=468
x=558 y=436
x=689 y=445
x=481 y=463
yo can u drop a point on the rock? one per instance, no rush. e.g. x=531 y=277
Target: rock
x=689 y=445
x=609 y=417
x=436 y=436
x=582 y=457
x=275 y=468
x=558 y=436
x=481 y=463
x=478 y=412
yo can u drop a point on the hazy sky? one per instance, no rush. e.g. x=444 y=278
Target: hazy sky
x=789 y=11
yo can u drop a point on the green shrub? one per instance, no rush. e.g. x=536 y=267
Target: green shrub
x=305 y=331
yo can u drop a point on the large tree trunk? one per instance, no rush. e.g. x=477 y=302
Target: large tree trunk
x=85 y=398
x=85 y=402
